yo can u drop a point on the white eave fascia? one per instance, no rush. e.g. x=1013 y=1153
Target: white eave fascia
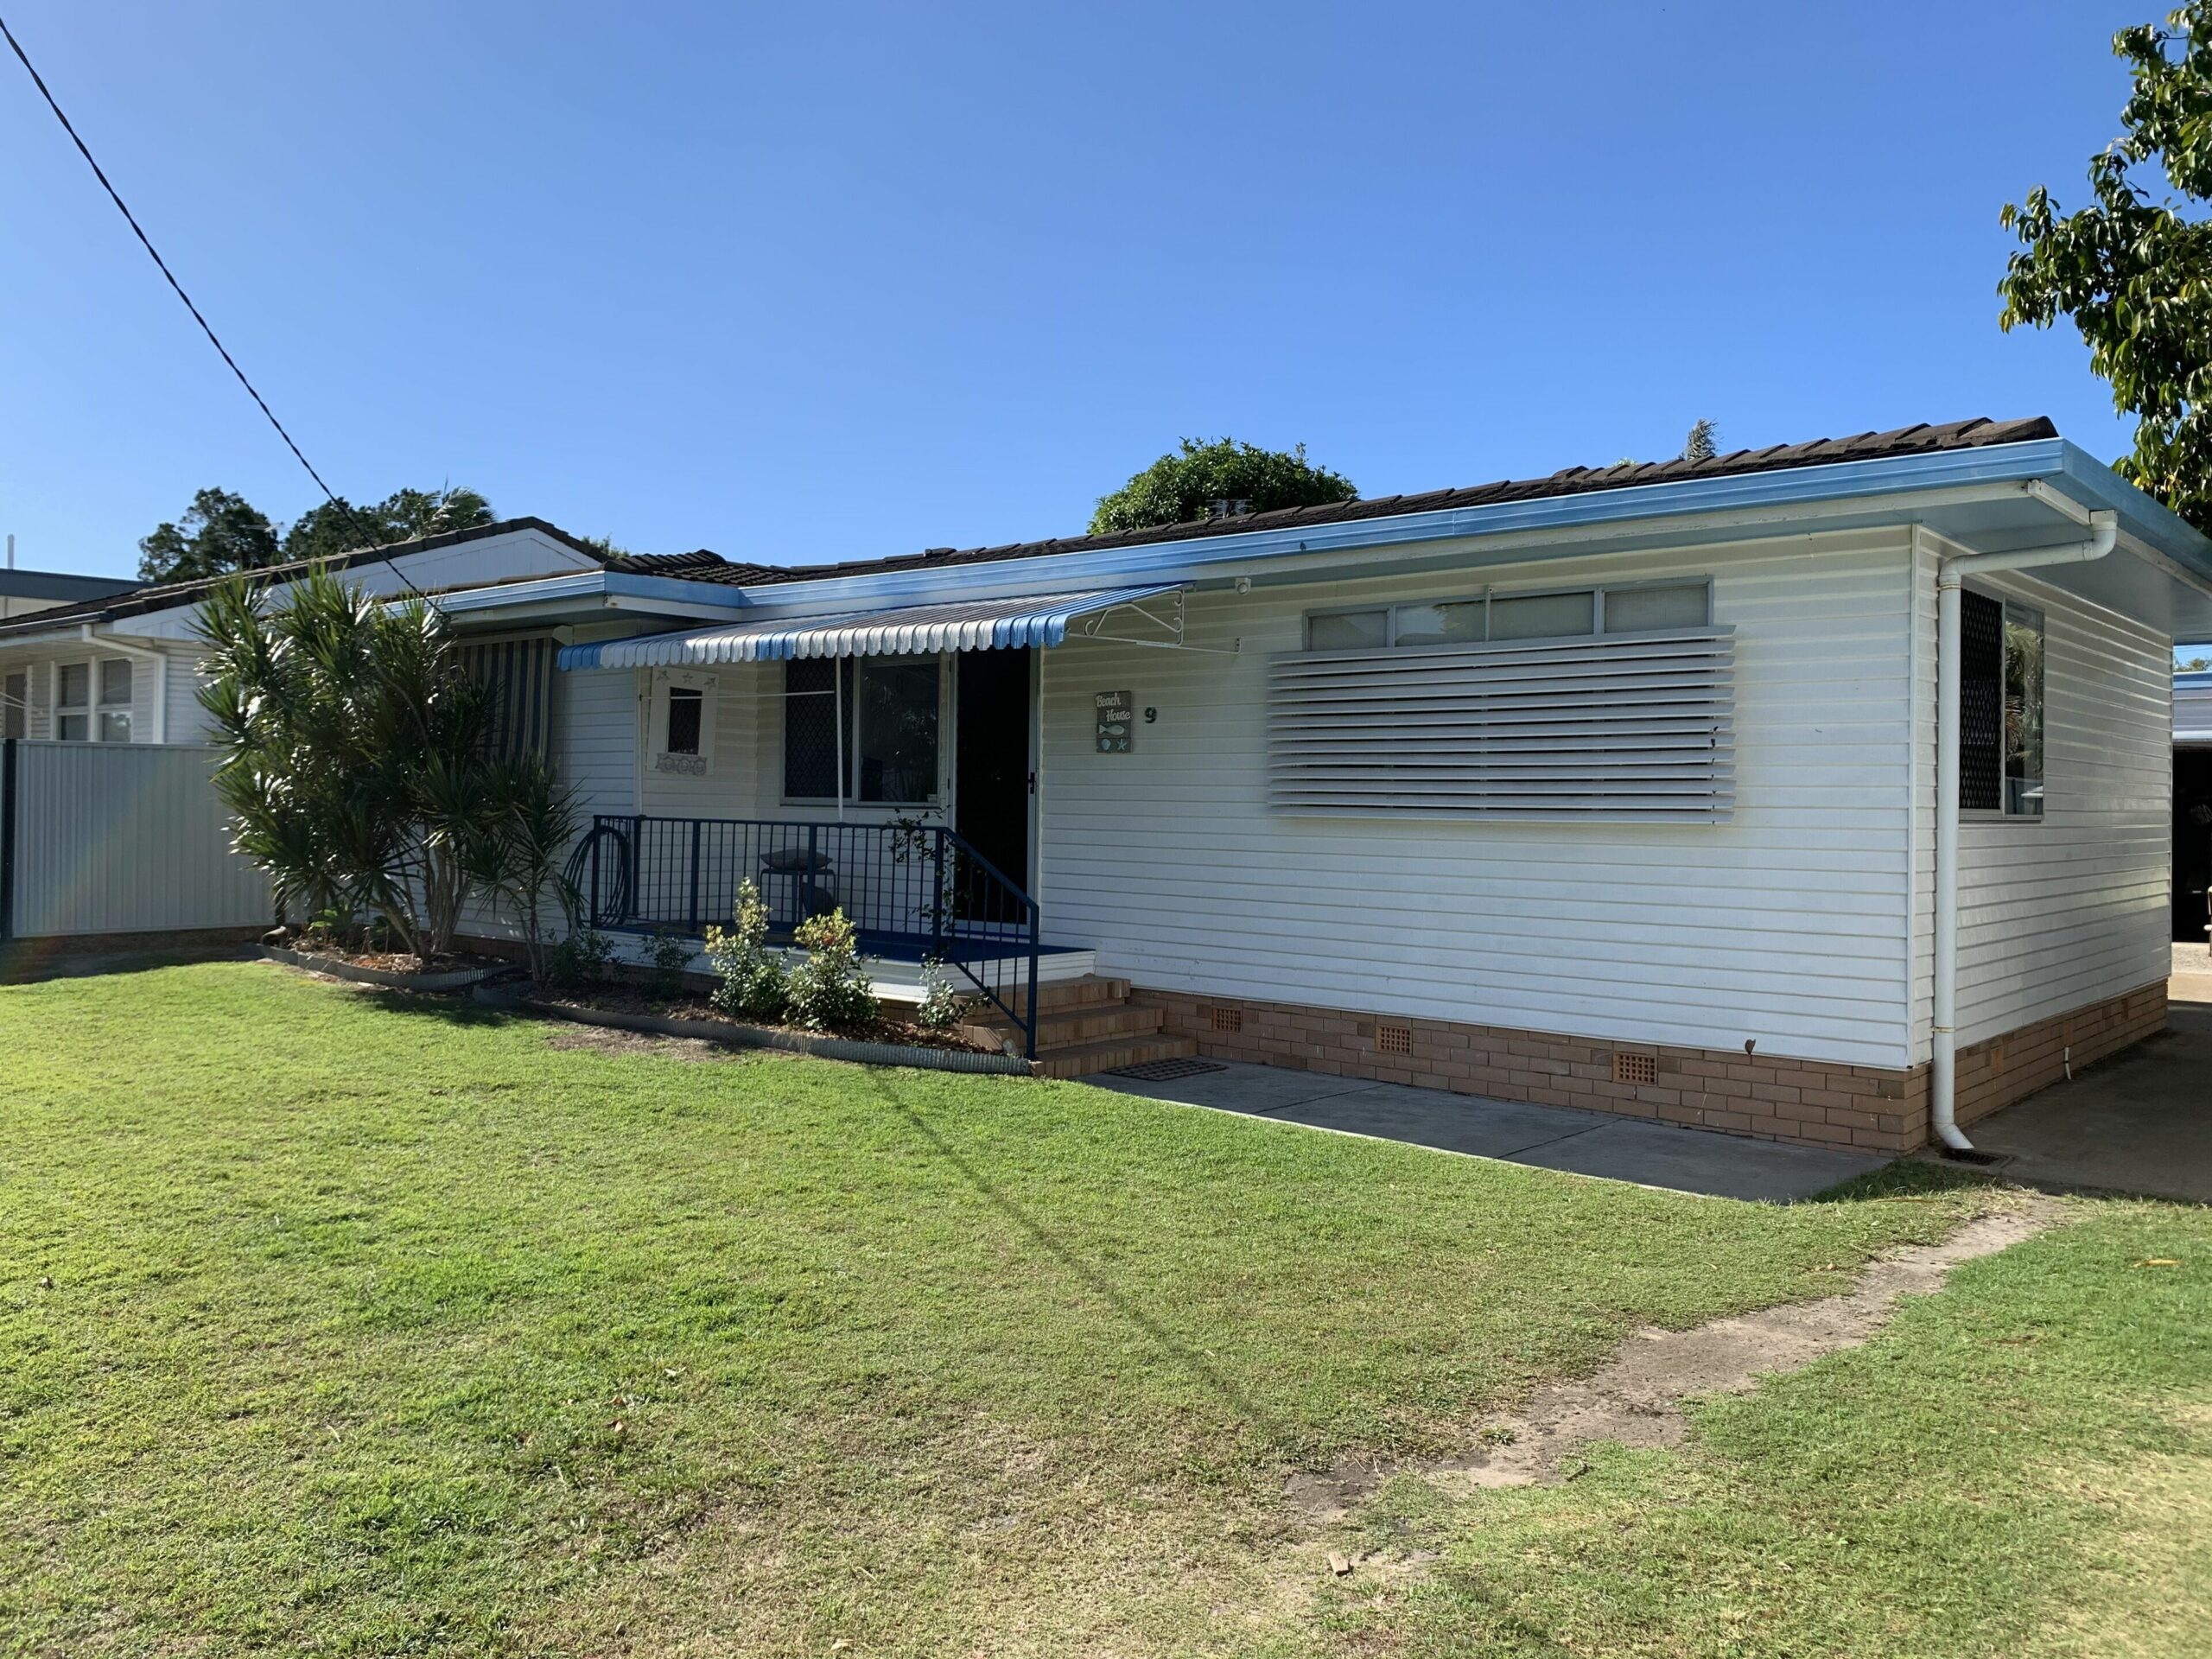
x=1794 y=497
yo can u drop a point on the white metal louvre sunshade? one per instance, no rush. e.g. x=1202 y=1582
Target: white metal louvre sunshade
x=1632 y=726
x=961 y=625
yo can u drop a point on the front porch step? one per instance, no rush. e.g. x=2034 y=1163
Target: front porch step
x=1090 y=991
x=1081 y=1059
x=1084 y=1025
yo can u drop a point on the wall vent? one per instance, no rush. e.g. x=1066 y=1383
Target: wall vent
x=1393 y=1039
x=1636 y=1068
x=1229 y=1019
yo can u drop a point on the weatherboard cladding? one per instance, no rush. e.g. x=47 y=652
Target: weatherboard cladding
x=1784 y=925
x=2073 y=907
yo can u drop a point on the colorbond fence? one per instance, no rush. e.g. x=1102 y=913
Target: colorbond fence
x=117 y=838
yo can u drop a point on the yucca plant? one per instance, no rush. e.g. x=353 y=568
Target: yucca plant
x=355 y=762
x=531 y=818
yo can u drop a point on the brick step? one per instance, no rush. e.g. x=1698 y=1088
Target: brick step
x=1087 y=991
x=1081 y=1059
x=1092 y=1023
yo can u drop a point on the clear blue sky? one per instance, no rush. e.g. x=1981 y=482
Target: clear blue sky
x=802 y=283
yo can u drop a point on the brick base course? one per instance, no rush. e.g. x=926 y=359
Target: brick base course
x=1814 y=1102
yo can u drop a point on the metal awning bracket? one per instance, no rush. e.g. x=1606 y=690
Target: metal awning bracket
x=1171 y=624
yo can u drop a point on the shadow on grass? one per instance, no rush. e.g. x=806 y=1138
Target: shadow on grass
x=1191 y=1362
x=32 y=962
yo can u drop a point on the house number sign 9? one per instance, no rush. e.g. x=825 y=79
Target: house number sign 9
x=1116 y=712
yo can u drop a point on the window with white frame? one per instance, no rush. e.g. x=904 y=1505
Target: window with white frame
x=73 y=703
x=1568 y=613
x=2000 y=707
x=888 y=738
x=112 y=714
x=92 y=701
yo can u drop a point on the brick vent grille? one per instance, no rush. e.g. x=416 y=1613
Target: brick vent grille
x=1229 y=1019
x=1394 y=1040
x=1636 y=1068
x=1167 y=1070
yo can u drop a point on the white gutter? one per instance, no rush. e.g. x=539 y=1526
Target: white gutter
x=2104 y=531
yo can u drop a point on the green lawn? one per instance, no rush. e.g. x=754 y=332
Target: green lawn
x=333 y=1323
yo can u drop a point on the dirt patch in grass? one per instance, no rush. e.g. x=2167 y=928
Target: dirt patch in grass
x=606 y=1040
x=1638 y=1398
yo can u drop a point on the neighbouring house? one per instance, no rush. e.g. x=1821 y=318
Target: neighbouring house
x=2192 y=805
x=1819 y=792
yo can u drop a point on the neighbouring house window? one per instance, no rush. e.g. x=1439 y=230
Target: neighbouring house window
x=15 y=705
x=1574 y=613
x=890 y=706
x=2000 y=707
x=73 y=703
x=114 y=711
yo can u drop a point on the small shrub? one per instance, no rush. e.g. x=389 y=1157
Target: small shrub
x=579 y=960
x=750 y=981
x=830 y=990
x=668 y=958
x=942 y=1003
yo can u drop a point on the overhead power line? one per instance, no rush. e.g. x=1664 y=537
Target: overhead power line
x=161 y=264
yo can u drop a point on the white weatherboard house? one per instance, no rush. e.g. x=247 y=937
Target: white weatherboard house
x=1818 y=793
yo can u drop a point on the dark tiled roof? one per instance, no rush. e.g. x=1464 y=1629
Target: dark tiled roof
x=711 y=565
x=705 y=566
x=1574 y=480
x=162 y=595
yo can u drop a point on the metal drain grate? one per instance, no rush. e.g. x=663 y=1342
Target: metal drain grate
x=1166 y=1071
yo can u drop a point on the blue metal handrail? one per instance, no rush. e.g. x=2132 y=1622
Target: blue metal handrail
x=905 y=885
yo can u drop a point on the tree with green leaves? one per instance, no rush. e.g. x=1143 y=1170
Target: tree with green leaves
x=1703 y=442
x=1180 y=487
x=222 y=534
x=338 y=527
x=2134 y=273
x=219 y=533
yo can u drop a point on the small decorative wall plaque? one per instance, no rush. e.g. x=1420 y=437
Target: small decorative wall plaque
x=1116 y=712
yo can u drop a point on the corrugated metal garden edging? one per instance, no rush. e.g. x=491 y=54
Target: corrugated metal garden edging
x=456 y=979
x=731 y=1035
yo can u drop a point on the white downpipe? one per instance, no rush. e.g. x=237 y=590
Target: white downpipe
x=1943 y=1095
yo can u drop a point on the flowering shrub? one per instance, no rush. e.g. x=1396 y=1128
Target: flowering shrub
x=750 y=979
x=830 y=990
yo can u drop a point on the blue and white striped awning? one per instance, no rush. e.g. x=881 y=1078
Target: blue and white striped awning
x=962 y=625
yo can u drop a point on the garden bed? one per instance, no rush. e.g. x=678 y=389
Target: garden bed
x=396 y=970
x=888 y=1042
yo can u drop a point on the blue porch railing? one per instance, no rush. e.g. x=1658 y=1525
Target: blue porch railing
x=914 y=891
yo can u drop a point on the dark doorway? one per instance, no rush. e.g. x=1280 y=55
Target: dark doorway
x=2192 y=842
x=992 y=783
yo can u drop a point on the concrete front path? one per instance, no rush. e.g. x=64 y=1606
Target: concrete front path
x=1548 y=1137
x=2140 y=1123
